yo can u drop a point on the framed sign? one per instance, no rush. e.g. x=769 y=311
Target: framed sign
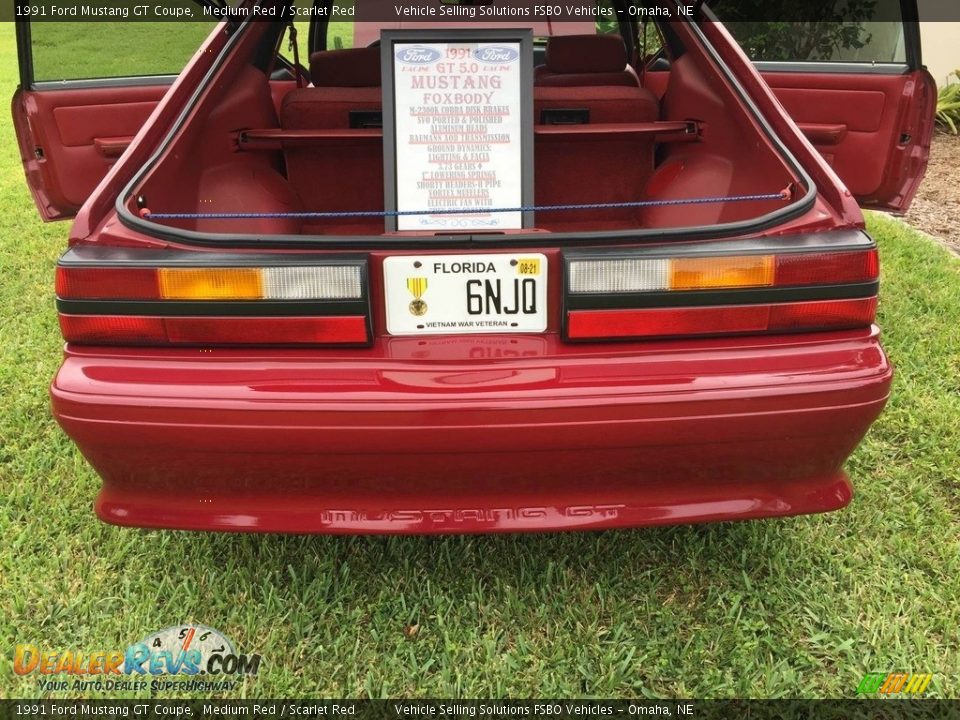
x=457 y=129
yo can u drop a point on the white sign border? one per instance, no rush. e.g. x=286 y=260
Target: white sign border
x=388 y=38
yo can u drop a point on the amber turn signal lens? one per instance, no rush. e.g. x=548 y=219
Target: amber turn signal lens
x=211 y=284
x=721 y=272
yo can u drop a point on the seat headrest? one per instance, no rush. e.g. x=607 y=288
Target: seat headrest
x=586 y=54
x=352 y=67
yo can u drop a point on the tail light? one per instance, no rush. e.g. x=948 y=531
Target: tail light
x=799 y=288
x=113 y=296
x=140 y=330
x=720 y=320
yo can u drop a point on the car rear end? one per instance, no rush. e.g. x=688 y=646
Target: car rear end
x=660 y=392
x=579 y=383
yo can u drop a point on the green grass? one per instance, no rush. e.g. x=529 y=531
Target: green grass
x=79 y=50
x=792 y=607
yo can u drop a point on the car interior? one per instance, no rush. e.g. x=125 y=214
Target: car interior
x=613 y=124
x=602 y=135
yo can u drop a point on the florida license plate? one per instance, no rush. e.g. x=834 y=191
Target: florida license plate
x=449 y=294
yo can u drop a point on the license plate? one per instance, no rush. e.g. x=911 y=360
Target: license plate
x=449 y=294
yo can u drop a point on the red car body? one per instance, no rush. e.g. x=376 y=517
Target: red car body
x=482 y=433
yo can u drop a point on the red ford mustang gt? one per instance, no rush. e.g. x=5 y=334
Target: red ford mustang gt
x=472 y=277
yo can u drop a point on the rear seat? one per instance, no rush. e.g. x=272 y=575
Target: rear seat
x=584 y=73
x=588 y=79
x=347 y=174
x=576 y=60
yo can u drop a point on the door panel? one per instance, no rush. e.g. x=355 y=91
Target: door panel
x=873 y=129
x=85 y=91
x=852 y=77
x=71 y=138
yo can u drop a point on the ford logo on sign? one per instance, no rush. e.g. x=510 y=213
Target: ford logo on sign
x=418 y=55
x=496 y=54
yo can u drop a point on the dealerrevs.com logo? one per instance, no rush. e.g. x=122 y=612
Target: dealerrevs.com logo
x=174 y=658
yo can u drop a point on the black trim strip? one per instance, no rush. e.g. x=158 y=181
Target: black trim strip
x=118 y=257
x=707 y=298
x=104 y=83
x=910 y=19
x=812 y=243
x=827 y=67
x=215 y=308
x=24 y=46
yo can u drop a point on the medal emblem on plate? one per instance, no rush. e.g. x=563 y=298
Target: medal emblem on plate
x=417 y=287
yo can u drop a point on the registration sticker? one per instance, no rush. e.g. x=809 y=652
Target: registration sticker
x=528 y=266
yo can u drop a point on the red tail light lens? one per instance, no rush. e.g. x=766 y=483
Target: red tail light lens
x=720 y=320
x=131 y=330
x=814 y=268
x=108 y=283
x=268 y=331
x=113 y=330
x=826 y=314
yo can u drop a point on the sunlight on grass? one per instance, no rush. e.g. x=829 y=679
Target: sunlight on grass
x=77 y=50
x=793 y=607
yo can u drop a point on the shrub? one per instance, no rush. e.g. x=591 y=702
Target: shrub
x=948 y=105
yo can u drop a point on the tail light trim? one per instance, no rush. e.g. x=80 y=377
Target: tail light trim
x=777 y=284
x=707 y=298
x=130 y=296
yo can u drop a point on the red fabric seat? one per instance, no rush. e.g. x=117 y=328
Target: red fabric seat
x=588 y=73
x=353 y=67
x=576 y=60
x=605 y=104
x=346 y=175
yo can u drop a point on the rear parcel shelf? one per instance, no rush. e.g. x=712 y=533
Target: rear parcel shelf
x=275 y=138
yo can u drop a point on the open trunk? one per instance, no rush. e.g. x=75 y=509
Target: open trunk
x=310 y=161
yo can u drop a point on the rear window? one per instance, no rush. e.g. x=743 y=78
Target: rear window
x=868 y=31
x=87 y=50
x=349 y=34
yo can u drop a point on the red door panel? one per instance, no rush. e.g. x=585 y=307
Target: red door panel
x=69 y=139
x=874 y=129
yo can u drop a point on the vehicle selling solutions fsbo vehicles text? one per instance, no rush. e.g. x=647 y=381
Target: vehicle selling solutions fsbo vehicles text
x=535 y=11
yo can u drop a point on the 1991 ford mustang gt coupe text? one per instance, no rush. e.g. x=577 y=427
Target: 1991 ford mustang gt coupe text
x=467 y=276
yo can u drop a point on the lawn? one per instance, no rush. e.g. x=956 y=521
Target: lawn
x=76 y=50
x=798 y=607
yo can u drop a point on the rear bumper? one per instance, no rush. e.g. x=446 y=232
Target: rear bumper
x=472 y=434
